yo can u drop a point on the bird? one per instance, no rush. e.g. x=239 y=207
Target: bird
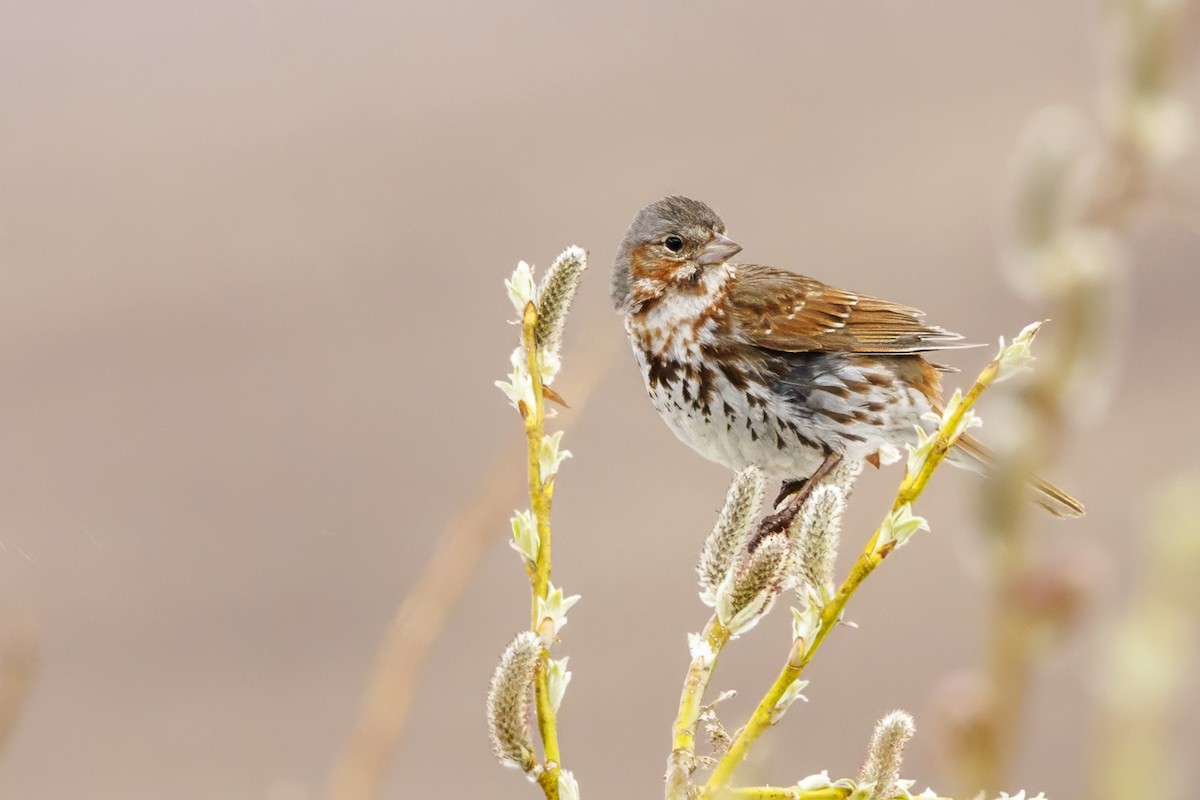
x=751 y=365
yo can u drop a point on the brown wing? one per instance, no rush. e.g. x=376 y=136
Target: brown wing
x=791 y=313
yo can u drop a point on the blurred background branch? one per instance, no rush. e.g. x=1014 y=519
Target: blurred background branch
x=362 y=767
x=1073 y=191
x=1148 y=659
x=19 y=660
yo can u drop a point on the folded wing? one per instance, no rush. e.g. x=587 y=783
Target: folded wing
x=783 y=311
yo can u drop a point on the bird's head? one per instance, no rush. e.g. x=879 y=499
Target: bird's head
x=671 y=243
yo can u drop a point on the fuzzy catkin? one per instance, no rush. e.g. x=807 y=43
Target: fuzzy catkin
x=555 y=296
x=761 y=577
x=882 y=766
x=817 y=533
x=729 y=535
x=508 y=702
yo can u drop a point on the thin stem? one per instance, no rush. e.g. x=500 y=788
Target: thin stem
x=540 y=496
x=682 y=762
x=787 y=793
x=912 y=486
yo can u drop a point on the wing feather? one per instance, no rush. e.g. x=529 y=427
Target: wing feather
x=783 y=311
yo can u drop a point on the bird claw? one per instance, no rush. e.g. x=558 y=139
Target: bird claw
x=789 y=488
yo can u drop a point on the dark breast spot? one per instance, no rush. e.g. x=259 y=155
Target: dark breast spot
x=836 y=416
x=661 y=371
x=706 y=386
x=837 y=391
x=735 y=376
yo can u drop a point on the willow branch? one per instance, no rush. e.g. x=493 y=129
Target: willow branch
x=19 y=660
x=683 y=747
x=361 y=768
x=540 y=498
x=1151 y=45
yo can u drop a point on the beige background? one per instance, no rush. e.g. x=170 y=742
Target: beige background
x=251 y=311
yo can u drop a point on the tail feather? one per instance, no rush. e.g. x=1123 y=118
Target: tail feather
x=1045 y=494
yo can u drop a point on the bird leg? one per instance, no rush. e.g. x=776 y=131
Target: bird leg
x=779 y=522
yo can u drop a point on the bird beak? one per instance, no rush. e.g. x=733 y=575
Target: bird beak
x=720 y=248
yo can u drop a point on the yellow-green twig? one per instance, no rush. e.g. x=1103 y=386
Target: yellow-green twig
x=794 y=793
x=912 y=485
x=682 y=762
x=788 y=793
x=540 y=496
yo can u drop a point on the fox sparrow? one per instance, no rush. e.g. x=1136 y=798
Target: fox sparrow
x=752 y=365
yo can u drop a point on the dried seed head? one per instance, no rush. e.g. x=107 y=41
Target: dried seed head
x=748 y=591
x=730 y=534
x=508 y=701
x=718 y=738
x=882 y=766
x=556 y=294
x=817 y=531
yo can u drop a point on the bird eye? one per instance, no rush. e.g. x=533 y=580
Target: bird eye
x=673 y=243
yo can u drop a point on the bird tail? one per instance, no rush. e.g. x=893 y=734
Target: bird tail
x=975 y=455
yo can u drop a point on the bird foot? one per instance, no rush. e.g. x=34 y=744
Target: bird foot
x=798 y=491
x=789 y=488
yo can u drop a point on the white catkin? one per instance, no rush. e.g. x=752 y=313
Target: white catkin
x=508 y=702
x=817 y=533
x=763 y=572
x=731 y=532
x=556 y=294
x=886 y=752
